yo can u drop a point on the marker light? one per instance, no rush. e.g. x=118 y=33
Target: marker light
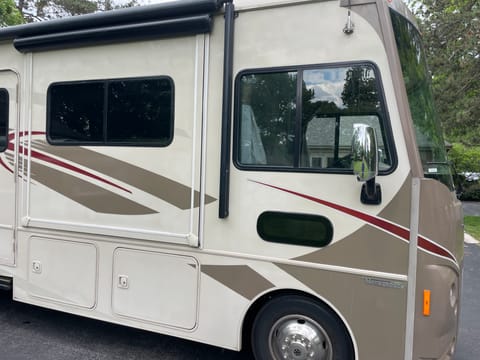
x=426 y=302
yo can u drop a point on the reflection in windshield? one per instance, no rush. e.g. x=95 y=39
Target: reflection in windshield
x=430 y=141
x=312 y=130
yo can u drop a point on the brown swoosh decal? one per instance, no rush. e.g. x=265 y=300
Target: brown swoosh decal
x=366 y=248
x=240 y=278
x=399 y=231
x=162 y=187
x=398 y=209
x=94 y=197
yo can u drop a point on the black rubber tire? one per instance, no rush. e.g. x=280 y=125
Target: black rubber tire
x=277 y=308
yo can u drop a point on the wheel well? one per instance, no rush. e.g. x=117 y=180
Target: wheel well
x=265 y=298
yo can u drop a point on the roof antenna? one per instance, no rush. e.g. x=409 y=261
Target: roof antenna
x=349 y=26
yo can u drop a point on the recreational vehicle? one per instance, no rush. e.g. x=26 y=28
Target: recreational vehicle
x=265 y=175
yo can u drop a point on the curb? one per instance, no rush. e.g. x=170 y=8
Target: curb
x=468 y=239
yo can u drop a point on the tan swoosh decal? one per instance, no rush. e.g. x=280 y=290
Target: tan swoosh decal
x=162 y=187
x=370 y=248
x=398 y=210
x=367 y=248
x=94 y=197
x=240 y=278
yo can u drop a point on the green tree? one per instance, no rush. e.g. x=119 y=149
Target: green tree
x=9 y=14
x=40 y=10
x=451 y=33
x=360 y=90
x=465 y=159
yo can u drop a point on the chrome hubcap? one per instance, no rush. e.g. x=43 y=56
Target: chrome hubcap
x=296 y=337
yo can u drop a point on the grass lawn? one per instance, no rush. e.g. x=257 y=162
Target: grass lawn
x=472 y=226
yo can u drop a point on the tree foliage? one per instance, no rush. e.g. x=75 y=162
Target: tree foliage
x=40 y=10
x=451 y=32
x=465 y=159
x=9 y=14
x=360 y=90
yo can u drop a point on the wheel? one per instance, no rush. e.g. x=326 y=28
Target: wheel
x=297 y=328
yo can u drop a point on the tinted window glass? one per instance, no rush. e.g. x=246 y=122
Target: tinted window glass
x=140 y=111
x=267 y=119
x=429 y=135
x=76 y=112
x=3 y=119
x=296 y=229
x=304 y=119
x=112 y=112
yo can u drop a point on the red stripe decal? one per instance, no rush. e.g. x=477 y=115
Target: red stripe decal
x=397 y=230
x=5 y=166
x=39 y=156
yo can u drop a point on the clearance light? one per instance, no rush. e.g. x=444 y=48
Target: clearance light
x=426 y=302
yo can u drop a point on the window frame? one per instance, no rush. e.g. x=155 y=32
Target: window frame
x=7 y=115
x=104 y=123
x=385 y=123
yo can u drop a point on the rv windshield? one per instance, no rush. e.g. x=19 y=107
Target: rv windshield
x=431 y=144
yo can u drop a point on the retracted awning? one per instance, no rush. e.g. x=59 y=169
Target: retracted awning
x=168 y=19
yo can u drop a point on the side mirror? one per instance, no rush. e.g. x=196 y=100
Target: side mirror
x=365 y=162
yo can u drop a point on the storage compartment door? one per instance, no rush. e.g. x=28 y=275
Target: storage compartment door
x=155 y=287
x=63 y=271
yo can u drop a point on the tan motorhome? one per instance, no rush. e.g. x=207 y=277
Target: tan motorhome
x=261 y=174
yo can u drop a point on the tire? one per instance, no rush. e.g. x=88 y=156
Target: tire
x=297 y=328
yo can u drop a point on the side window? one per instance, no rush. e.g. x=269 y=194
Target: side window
x=119 y=112
x=4 y=99
x=303 y=119
x=267 y=119
x=76 y=113
x=296 y=229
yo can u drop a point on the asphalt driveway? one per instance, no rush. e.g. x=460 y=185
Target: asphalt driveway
x=471 y=208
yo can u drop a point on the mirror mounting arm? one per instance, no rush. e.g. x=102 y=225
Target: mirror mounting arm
x=371 y=193
x=365 y=163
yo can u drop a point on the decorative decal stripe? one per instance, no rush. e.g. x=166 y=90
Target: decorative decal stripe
x=5 y=166
x=83 y=162
x=86 y=193
x=383 y=224
x=168 y=190
x=39 y=156
x=242 y=279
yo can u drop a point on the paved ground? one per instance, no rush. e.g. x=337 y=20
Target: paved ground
x=471 y=208
x=28 y=332
x=468 y=347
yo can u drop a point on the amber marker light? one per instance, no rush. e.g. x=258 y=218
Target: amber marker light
x=426 y=302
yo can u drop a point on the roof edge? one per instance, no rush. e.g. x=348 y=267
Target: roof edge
x=156 y=12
